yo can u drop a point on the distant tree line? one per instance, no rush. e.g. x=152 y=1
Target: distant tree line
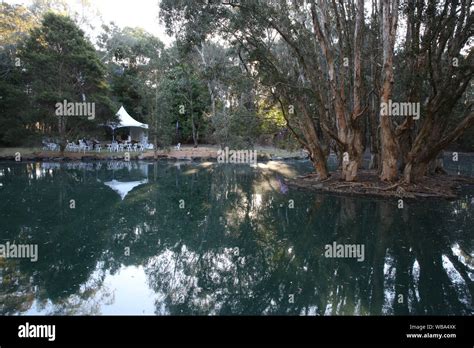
x=188 y=94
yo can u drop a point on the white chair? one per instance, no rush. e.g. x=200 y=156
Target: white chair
x=83 y=146
x=113 y=147
x=98 y=148
x=135 y=147
x=71 y=147
x=178 y=147
x=50 y=147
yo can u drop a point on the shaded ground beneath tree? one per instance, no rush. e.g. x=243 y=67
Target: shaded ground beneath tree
x=368 y=184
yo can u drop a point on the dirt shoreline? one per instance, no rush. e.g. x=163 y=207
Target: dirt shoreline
x=368 y=185
x=160 y=157
x=186 y=154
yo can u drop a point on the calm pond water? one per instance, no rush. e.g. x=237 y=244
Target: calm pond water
x=190 y=238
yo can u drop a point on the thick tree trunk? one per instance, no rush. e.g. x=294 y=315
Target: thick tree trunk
x=61 y=150
x=193 y=126
x=389 y=170
x=349 y=131
x=209 y=84
x=319 y=163
x=404 y=145
x=354 y=131
x=415 y=171
x=375 y=73
x=317 y=155
x=349 y=170
x=436 y=166
x=425 y=50
x=389 y=146
x=62 y=135
x=429 y=143
x=418 y=158
x=355 y=150
x=373 y=139
x=195 y=137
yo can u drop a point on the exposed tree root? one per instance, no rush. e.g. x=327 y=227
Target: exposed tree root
x=368 y=184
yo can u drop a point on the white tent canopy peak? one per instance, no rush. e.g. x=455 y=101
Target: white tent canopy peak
x=125 y=120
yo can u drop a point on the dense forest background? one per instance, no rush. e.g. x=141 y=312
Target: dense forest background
x=292 y=74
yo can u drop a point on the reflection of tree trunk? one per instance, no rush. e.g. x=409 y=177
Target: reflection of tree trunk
x=431 y=292
x=462 y=270
x=385 y=211
x=403 y=263
x=446 y=300
x=318 y=203
x=61 y=192
x=455 y=306
x=346 y=231
x=348 y=212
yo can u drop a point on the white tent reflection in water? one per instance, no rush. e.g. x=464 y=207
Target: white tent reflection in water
x=123 y=188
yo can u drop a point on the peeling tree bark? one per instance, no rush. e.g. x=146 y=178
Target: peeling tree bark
x=318 y=157
x=311 y=140
x=349 y=130
x=389 y=145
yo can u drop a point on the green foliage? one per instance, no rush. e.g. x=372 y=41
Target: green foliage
x=131 y=56
x=185 y=98
x=61 y=64
x=209 y=83
x=15 y=22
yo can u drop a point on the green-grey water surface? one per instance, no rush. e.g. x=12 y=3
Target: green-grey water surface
x=207 y=238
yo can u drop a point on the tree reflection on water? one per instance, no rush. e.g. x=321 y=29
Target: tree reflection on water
x=237 y=246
